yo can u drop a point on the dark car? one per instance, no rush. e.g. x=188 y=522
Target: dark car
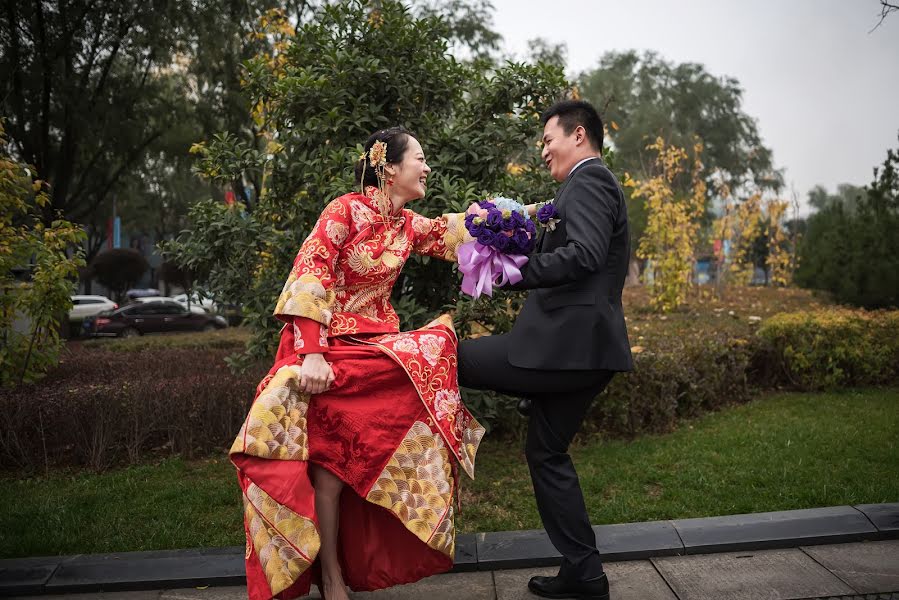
x=164 y=316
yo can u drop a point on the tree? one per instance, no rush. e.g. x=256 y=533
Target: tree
x=544 y=51
x=38 y=264
x=83 y=83
x=855 y=254
x=354 y=69
x=847 y=194
x=642 y=97
x=673 y=221
x=886 y=8
x=119 y=269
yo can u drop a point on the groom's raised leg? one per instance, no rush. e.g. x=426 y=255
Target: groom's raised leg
x=555 y=419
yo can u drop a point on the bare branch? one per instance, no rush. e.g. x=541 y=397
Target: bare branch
x=885 y=9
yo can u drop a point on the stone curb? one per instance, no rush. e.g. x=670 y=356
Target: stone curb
x=165 y=569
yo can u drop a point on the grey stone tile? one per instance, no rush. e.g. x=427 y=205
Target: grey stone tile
x=631 y=541
x=634 y=580
x=782 y=529
x=149 y=570
x=532 y=548
x=513 y=585
x=516 y=549
x=139 y=595
x=637 y=580
x=452 y=586
x=27 y=575
x=769 y=574
x=884 y=516
x=466 y=553
x=230 y=592
x=869 y=567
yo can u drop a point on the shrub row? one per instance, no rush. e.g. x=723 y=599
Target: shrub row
x=690 y=374
x=105 y=406
x=831 y=348
x=102 y=407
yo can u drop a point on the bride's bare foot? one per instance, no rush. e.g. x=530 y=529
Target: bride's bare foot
x=333 y=588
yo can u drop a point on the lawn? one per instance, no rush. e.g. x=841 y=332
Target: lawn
x=778 y=452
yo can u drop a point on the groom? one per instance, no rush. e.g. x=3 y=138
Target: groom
x=569 y=339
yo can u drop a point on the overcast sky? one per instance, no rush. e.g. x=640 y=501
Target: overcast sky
x=825 y=91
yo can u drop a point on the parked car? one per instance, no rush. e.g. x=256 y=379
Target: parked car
x=194 y=308
x=135 y=293
x=195 y=300
x=157 y=316
x=88 y=306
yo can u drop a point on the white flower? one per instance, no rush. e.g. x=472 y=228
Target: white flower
x=447 y=403
x=431 y=347
x=406 y=344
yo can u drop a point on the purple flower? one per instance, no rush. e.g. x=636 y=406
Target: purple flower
x=518 y=219
x=486 y=237
x=547 y=212
x=509 y=224
x=521 y=239
x=501 y=242
x=494 y=219
x=530 y=227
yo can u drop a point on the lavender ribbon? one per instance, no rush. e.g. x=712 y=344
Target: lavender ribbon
x=483 y=267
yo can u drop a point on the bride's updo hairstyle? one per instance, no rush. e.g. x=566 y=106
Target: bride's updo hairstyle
x=397 y=140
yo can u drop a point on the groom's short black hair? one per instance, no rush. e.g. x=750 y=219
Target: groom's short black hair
x=572 y=113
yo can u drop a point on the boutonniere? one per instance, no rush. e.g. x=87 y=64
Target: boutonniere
x=548 y=216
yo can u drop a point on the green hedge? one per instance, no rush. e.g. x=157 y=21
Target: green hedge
x=126 y=401
x=832 y=348
x=686 y=375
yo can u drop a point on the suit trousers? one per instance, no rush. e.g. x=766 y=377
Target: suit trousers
x=560 y=400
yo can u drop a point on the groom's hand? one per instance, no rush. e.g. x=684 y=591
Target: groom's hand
x=316 y=375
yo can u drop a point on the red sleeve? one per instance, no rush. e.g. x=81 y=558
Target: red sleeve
x=309 y=337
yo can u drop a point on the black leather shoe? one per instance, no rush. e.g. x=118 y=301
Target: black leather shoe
x=556 y=587
x=524 y=407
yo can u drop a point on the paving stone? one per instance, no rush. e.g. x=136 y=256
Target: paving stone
x=632 y=541
x=532 y=548
x=769 y=574
x=516 y=549
x=783 y=529
x=637 y=580
x=149 y=570
x=452 y=586
x=884 y=516
x=861 y=597
x=27 y=575
x=232 y=592
x=138 y=595
x=466 y=553
x=869 y=567
x=513 y=584
x=633 y=580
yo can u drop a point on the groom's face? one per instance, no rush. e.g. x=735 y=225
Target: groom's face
x=560 y=151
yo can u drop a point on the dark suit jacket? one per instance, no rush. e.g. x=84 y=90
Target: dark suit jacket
x=572 y=318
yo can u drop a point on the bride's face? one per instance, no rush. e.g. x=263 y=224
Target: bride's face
x=409 y=176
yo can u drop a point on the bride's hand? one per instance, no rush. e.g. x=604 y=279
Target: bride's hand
x=316 y=375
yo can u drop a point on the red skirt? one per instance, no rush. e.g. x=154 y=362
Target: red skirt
x=373 y=431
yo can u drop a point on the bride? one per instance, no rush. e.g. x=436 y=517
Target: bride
x=348 y=457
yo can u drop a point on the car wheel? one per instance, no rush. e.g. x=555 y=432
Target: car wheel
x=129 y=332
x=209 y=327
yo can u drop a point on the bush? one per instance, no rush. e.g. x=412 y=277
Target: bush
x=39 y=259
x=101 y=407
x=832 y=348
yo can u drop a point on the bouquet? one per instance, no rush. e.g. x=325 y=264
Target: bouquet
x=503 y=234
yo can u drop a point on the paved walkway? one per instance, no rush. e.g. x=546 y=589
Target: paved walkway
x=860 y=570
